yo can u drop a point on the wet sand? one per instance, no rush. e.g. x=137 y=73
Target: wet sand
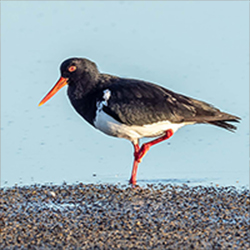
x=120 y=217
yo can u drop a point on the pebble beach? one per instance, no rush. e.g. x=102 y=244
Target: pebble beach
x=121 y=217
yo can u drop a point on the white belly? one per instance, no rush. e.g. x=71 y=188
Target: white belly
x=110 y=126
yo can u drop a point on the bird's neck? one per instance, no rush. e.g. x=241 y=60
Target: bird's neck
x=80 y=89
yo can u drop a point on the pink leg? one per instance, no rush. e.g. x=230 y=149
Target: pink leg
x=135 y=165
x=140 y=152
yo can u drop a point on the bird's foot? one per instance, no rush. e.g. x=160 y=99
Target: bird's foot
x=132 y=181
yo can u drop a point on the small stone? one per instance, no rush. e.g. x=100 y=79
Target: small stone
x=120 y=217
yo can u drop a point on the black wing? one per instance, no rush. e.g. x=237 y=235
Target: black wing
x=135 y=102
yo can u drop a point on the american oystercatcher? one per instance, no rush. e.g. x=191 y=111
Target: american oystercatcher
x=132 y=109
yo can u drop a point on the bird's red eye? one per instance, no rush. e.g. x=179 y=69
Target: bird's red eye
x=72 y=68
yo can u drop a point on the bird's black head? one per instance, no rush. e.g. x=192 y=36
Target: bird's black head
x=79 y=73
x=75 y=69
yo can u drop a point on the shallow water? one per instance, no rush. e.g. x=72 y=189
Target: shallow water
x=200 y=49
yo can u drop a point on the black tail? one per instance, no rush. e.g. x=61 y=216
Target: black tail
x=225 y=123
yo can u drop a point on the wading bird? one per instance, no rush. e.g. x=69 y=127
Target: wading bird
x=132 y=109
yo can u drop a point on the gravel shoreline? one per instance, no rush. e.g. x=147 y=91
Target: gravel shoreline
x=120 y=217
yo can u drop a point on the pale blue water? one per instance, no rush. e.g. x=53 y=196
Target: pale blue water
x=200 y=49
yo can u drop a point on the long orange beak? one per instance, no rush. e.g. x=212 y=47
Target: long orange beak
x=61 y=82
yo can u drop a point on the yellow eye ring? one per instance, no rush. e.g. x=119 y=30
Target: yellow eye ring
x=72 y=68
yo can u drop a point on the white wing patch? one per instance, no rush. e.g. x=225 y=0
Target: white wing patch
x=106 y=96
